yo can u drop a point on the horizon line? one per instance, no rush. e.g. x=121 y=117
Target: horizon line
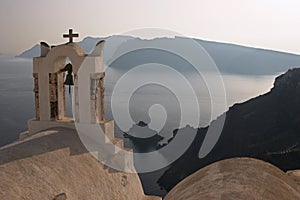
x=168 y=37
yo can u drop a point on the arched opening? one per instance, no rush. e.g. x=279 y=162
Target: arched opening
x=69 y=80
x=61 y=84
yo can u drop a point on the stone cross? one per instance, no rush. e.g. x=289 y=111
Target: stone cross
x=71 y=35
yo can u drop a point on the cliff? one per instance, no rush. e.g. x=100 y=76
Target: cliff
x=266 y=127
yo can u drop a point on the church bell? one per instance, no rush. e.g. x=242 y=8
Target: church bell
x=69 y=79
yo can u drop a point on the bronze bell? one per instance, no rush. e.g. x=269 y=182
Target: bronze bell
x=69 y=79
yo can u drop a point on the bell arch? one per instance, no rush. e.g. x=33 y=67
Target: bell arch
x=49 y=84
x=49 y=87
x=58 y=54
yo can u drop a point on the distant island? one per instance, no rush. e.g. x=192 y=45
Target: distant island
x=229 y=58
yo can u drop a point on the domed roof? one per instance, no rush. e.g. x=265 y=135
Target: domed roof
x=55 y=163
x=237 y=178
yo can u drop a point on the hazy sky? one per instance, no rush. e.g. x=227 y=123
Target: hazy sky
x=271 y=24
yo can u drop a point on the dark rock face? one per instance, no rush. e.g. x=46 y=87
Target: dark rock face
x=266 y=127
x=142 y=124
x=143 y=138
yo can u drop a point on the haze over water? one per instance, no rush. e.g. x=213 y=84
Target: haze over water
x=17 y=98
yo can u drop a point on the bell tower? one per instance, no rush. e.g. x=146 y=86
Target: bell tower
x=49 y=72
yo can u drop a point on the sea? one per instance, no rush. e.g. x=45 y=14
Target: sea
x=163 y=100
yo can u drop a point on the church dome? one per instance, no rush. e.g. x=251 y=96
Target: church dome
x=237 y=178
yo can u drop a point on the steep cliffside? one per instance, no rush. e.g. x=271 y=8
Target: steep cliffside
x=266 y=127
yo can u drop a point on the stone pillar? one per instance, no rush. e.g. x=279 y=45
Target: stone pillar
x=93 y=97
x=97 y=97
x=64 y=98
x=36 y=96
x=100 y=102
x=76 y=99
x=53 y=96
x=61 y=96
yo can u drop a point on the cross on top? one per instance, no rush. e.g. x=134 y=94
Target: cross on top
x=71 y=35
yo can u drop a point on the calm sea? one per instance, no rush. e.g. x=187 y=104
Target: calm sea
x=150 y=102
x=17 y=103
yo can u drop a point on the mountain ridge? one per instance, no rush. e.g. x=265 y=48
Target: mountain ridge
x=196 y=39
x=229 y=58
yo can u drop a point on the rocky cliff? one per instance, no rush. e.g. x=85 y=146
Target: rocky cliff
x=266 y=127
